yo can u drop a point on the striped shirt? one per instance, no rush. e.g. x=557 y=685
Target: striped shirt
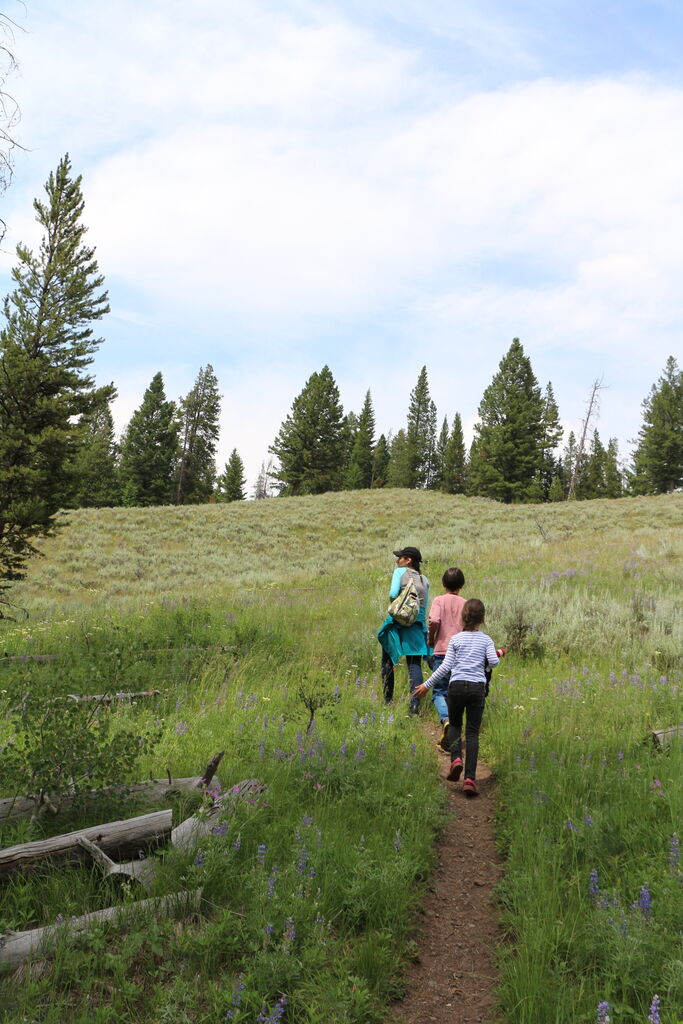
x=469 y=654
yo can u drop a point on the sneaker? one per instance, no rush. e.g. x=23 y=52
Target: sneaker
x=456 y=770
x=469 y=788
x=443 y=742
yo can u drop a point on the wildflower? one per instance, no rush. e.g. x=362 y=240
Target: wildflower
x=397 y=841
x=653 y=1017
x=588 y=820
x=656 y=787
x=674 y=851
x=181 y=728
x=302 y=861
x=199 y=859
x=268 y=930
x=261 y=854
x=236 y=999
x=593 y=884
x=305 y=821
x=290 y=930
x=603 y=1013
x=271 y=883
x=645 y=901
x=571 y=826
x=360 y=754
x=221 y=829
x=262 y=747
x=238 y=843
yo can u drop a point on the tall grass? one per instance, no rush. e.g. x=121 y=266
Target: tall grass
x=234 y=613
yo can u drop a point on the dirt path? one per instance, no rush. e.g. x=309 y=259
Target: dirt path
x=457 y=931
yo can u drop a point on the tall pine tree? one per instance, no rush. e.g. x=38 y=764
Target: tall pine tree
x=455 y=460
x=359 y=471
x=46 y=346
x=658 y=459
x=149 y=450
x=230 y=484
x=421 y=434
x=95 y=468
x=309 y=445
x=510 y=438
x=199 y=412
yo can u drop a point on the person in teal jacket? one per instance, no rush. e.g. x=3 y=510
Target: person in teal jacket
x=410 y=641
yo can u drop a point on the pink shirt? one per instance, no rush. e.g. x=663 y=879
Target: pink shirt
x=446 y=613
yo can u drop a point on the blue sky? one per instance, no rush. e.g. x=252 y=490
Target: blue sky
x=376 y=186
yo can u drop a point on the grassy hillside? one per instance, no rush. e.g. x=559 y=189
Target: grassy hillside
x=241 y=613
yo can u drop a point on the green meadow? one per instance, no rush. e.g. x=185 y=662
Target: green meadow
x=251 y=617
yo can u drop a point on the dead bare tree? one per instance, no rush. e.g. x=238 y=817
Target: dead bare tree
x=9 y=108
x=592 y=410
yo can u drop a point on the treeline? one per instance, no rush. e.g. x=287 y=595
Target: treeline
x=58 y=447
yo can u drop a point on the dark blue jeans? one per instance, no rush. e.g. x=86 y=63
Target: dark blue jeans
x=468 y=699
x=414 y=675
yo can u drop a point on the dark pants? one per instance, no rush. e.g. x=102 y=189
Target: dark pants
x=467 y=699
x=414 y=675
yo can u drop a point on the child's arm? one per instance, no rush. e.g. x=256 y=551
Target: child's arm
x=442 y=672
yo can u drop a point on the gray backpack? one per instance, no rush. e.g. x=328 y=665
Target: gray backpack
x=405 y=608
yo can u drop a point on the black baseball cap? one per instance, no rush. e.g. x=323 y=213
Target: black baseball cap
x=409 y=552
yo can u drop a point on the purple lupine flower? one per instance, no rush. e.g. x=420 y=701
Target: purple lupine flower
x=199 y=859
x=290 y=930
x=413 y=748
x=268 y=930
x=390 y=718
x=302 y=861
x=262 y=747
x=397 y=841
x=221 y=829
x=674 y=851
x=645 y=901
x=603 y=1013
x=593 y=884
x=238 y=843
x=532 y=762
x=236 y=999
x=363 y=720
x=570 y=826
x=360 y=754
x=335 y=693
x=181 y=728
x=271 y=882
x=306 y=820
x=654 y=1017
x=588 y=820
x=261 y=854
x=342 y=749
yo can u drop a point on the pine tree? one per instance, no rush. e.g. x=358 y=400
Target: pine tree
x=569 y=463
x=440 y=449
x=309 y=444
x=96 y=464
x=398 y=470
x=199 y=412
x=421 y=434
x=149 y=450
x=552 y=436
x=231 y=482
x=380 y=462
x=614 y=478
x=510 y=439
x=455 y=461
x=46 y=345
x=591 y=483
x=658 y=459
x=359 y=473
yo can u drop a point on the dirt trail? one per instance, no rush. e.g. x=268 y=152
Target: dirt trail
x=457 y=930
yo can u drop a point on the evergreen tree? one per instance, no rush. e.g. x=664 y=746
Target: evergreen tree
x=440 y=449
x=309 y=444
x=455 y=461
x=658 y=459
x=569 y=462
x=199 y=412
x=614 y=478
x=230 y=484
x=421 y=434
x=591 y=483
x=46 y=345
x=96 y=464
x=507 y=456
x=380 y=462
x=398 y=470
x=552 y=435
x=360 y=469
x=149 y=450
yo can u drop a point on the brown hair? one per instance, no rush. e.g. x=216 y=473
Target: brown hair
x=473 y=613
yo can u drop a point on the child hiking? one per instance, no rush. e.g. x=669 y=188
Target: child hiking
x=468 y=656
x=445 y=620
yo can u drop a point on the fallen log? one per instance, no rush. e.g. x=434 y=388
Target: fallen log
x=16 y=946
x=662 y=738
x=140 y=871
x=120 y=697
x=127 y=837
x=153 y=791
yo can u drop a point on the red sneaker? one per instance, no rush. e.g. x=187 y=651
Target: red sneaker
x=456 y=770
x=469 y=788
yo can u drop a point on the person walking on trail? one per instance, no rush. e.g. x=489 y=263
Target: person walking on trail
x=410 y=641
x=469 y=655
x=445 y=620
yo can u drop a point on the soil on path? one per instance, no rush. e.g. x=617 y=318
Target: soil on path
x=457 y=931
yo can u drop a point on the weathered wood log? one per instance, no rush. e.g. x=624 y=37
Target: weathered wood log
x=127 y=837
x=153 y=791
x=139 y=871
x=16 y=946
x=121 y=697
x=662 y=738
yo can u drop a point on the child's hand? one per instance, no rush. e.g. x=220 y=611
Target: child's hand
x=419 y=691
